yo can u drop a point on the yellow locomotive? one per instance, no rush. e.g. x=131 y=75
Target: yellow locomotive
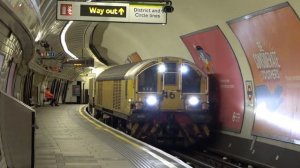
x=162 y=100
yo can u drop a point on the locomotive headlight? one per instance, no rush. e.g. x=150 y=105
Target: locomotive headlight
x=193 y=100
x=161 y=68
x=184 y=69
x=151 y=100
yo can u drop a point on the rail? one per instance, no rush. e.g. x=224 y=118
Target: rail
x=207 y=158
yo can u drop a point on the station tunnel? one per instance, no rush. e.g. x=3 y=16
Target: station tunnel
x=242 y=59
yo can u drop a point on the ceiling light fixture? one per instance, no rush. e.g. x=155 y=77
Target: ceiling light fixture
x=63 y=40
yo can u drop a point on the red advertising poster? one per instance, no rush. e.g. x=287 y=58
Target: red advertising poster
x=271 y=41
x=212 y=53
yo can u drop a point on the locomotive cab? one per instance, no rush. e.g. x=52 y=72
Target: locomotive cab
x=174 y=86
x=172 y=95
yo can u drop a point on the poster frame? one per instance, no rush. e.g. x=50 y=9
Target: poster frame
x=238 y=69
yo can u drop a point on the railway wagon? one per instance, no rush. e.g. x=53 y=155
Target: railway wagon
x=162 y=100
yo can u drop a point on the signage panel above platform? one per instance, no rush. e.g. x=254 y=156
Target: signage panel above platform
x=112 y=12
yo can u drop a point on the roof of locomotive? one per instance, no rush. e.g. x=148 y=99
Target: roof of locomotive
x=125 y=71
x=129 y=71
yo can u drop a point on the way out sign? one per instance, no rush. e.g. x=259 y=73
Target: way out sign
x=112 y=12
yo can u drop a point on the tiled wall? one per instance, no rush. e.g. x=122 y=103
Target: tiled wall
x=10 y=50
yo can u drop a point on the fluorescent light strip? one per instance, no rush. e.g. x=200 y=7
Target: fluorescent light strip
x=63 y=40
x=38 y=36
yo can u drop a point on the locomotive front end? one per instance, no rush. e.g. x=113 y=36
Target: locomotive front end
x=171 y=103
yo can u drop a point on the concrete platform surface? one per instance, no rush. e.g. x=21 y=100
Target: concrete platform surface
x=66 y=139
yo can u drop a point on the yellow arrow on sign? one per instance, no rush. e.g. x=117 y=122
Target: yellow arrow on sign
x=121 y=11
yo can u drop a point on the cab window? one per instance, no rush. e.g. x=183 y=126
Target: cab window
x=191 y=81
x=170 y=74
x=147 y=80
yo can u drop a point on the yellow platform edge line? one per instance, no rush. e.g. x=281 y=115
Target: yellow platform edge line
x=88 y=118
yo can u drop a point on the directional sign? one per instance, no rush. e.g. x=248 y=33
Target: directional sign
x=147 y=13
x=111 y=12
x=102 y=11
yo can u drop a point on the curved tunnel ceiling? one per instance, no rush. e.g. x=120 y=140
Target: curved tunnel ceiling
x=114 y=42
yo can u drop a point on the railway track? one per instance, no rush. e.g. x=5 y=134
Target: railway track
x=205 y=160
x=213 y=159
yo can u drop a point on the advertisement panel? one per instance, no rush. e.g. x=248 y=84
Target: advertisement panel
x=134 y=57
x=75 y=90
x=270 y=39
x=212 y=53
x=11 y=79
x=5 y=62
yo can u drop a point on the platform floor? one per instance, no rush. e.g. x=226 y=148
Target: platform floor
x=66 y=139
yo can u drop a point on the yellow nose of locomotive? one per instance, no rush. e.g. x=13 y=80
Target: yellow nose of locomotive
x=171 y=101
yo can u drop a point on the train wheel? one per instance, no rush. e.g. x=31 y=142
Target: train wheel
x=121 y=125
x=115 y=122
x=107 y=119
x=98 y=114
x=128 y=127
